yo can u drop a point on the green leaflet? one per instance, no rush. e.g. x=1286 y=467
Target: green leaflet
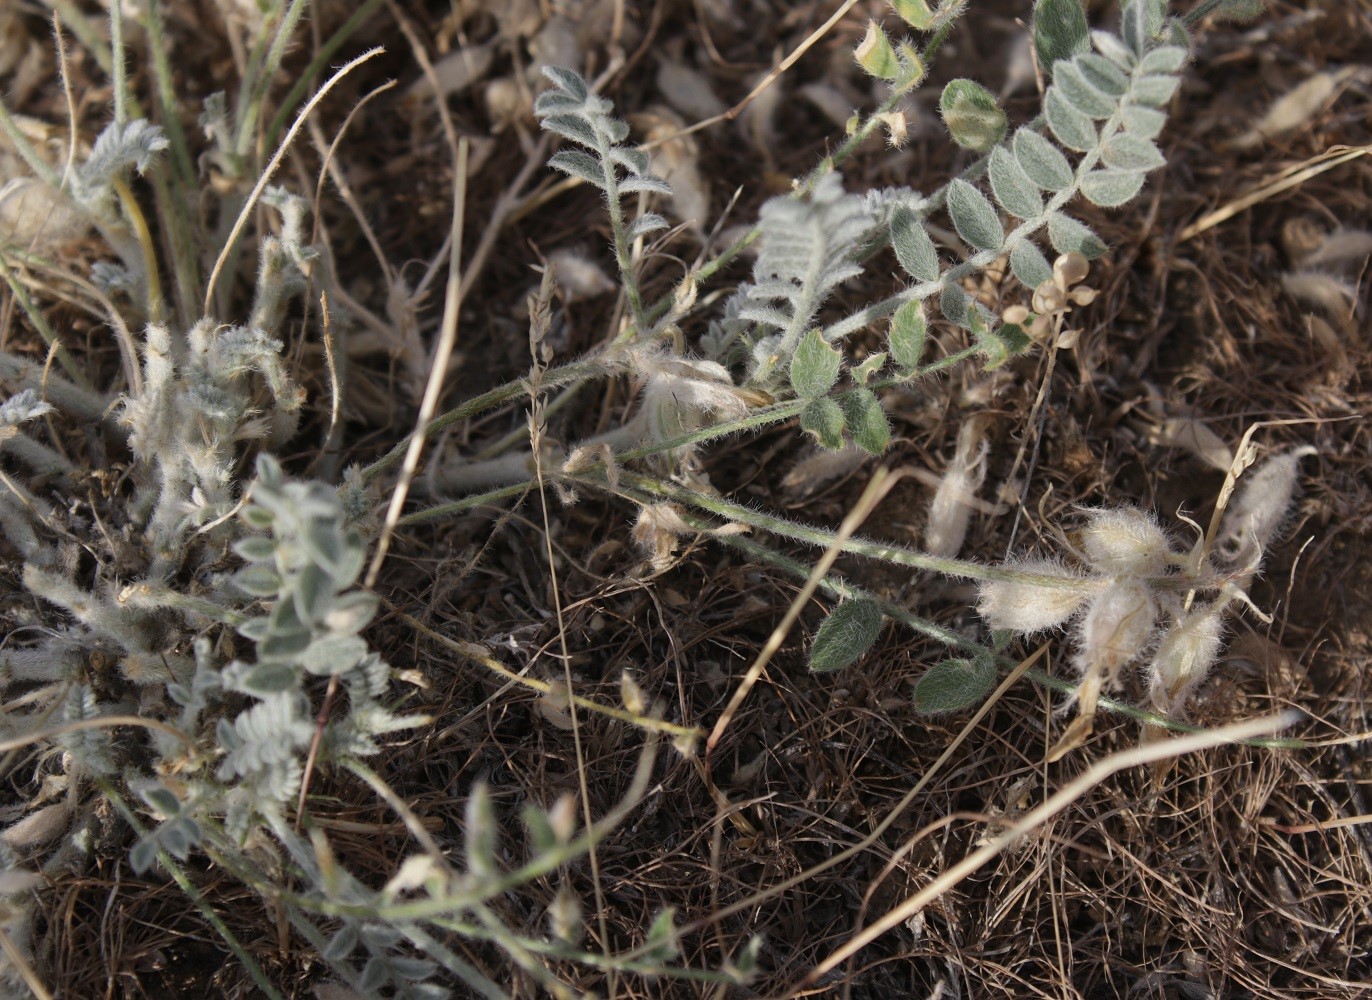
x=845 y=636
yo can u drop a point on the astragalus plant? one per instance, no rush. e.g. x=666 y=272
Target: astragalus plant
x=207 y=607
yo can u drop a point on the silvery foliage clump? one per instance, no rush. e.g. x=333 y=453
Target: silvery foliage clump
x=201 y=400
x=159 y=610
x=304 y=563
x=228 y=613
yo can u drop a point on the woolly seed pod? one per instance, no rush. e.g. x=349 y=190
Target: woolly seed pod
x=1022 y=606
x=1118 y=627
x=1184 y=657
x=1125 y=541
x=1259 y=508
x=951 y=508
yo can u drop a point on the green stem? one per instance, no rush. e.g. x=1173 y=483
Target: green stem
x=120 y=74
x=651 y=490
x=183 y=881
x=321 y=59
x=40 y=323
x=258 y=80
x=506 y=393
x=623 y=250
x=465 y=504
x=840 y=588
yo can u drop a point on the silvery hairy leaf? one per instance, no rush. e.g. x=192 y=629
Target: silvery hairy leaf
x=566 y=79
x=1128 y=152
x=1041 y=161
x=866 y=421
x=342 y=944
x=1013 y=188
x=954 y=684
x=814 y=366
x=1134 y=27
x=1110 y=188
x=909 y=332
x=974 y=217
x=634 y=160
x=823 y=418
x=1069 y=236
x=1153 y=89
x=953 y=304
x=914 y=249
x=1074 y=86
x=1073 y=128
x=1029 y=265
x=579 y=164
x=1113 y=49
x=1146 y=123
x=255 y=549
x=974 y=119
x=1164 y=59
x=333 y=654
x=258 y=581
x=572 y=127
x=1060 y=32
x=649 y=183
x=648 y=222
x=1102 y=74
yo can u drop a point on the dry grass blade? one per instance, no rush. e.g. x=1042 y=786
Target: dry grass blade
x=1036 y=817
x=443 y=351
x=267 y=173
x=881 y=482
x=1292 y=177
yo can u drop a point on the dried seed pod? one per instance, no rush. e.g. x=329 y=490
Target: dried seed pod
x=1022 y=606
x=1125 y=541
x=951 y=508
x=1184 y=657
x=1117 y=628
x=657 y=529
x=1258 y=510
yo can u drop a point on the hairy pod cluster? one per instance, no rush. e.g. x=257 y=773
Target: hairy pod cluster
x=1124 y=590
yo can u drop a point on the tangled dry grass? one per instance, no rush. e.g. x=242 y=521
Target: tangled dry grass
x=1235 y=872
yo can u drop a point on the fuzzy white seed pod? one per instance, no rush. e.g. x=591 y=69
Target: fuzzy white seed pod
x=1184 y=657
x=685 y=394
x=1258 y=510
x=1125 y=541
x=951 y=508
x=40 y=827
x=1117 y=628
x=1022 y=606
